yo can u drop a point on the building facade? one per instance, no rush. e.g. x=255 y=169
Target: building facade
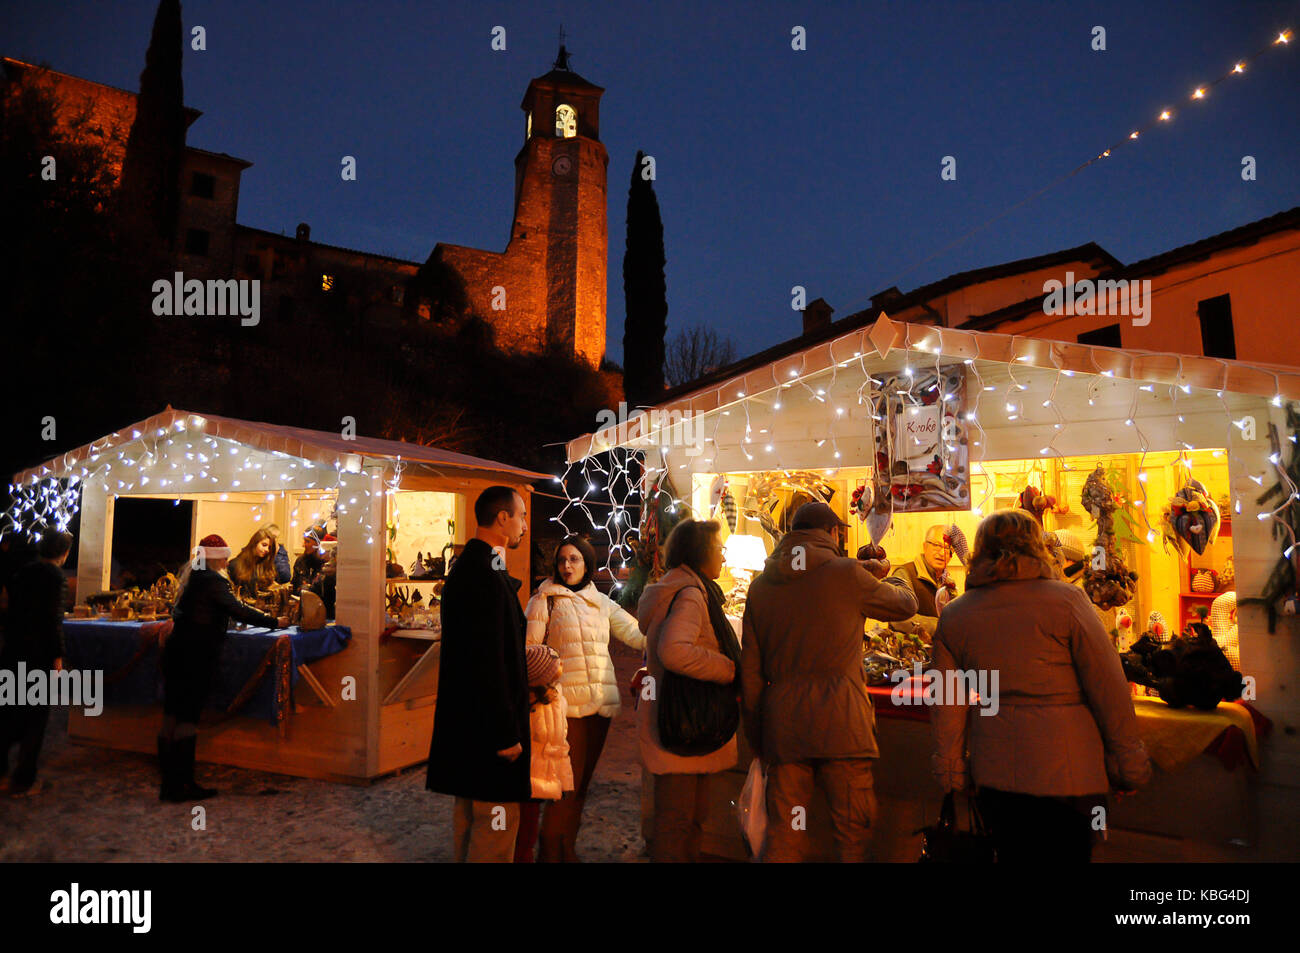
x=546 y=291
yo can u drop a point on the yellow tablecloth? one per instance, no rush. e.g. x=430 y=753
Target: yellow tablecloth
x=1176 y=736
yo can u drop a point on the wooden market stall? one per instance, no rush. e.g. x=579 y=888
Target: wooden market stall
x=939 y=426
x=363 y=706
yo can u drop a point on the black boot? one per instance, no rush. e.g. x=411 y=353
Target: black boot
x=183 y=750
x=167 y=790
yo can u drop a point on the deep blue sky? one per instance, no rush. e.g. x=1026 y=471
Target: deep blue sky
x=775 y=167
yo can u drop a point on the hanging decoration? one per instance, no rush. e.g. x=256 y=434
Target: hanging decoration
x=774 y=495
x=860 y=505
x=1108 y=581
x=1190 y=519
x=728 y=503
x=921 y=449
x=1036 y=503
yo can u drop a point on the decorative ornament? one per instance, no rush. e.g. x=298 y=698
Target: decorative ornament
x=729 y=509
x=956 y=538
x=878 y=526
x=1157 y=627
x=862 y=500
x=1035 y=502
x=1124 y=635
x=1191 y=519
x=715 y=491
x=1204 y=581
x=1107 y=580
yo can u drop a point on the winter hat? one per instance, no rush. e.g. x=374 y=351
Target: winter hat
x=213 y=546
x=543 y=664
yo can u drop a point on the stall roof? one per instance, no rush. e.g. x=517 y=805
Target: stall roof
x=318 y=446
x=872 y=344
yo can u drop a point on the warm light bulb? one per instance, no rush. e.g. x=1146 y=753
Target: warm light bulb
x=1200 y=93
x=1165 y=115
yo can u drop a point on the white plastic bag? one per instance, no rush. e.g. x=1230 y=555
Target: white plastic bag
x=751 y=808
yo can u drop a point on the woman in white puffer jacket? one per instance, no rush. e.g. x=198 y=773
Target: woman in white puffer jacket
x=572 y=616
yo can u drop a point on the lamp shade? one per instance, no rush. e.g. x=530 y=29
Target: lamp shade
x=744 y=552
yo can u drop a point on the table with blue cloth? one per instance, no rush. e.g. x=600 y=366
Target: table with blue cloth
x=255 y=676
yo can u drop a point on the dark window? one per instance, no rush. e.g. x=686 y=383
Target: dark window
x=1217 y=339
x=252 y=264
x=398 y=294
x=1102 y=337
x=196 y=241
x=286 y=307
x=277 y=267
x=203 y=185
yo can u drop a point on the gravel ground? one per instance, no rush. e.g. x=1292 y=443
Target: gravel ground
x=102 y=805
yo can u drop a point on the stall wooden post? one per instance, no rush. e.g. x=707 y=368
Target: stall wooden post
x=94 y=554
x=360 y=577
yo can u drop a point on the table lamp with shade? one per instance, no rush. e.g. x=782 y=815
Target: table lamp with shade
x=743 y=556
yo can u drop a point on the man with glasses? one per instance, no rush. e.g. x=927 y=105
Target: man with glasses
x=924 y=575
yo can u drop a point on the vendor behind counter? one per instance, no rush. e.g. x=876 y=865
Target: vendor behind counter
x=923 y=576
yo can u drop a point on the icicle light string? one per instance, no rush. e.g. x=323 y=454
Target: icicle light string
x=785 y=377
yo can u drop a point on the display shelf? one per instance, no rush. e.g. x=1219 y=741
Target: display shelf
x=408 y=581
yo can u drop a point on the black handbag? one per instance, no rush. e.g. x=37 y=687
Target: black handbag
x=696 y=717
x=943 y=843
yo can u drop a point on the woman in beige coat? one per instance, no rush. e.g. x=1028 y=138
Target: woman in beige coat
x=678 y=621
x=1058 y=730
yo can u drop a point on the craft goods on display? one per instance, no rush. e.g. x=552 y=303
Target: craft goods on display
x=1191 y=519
x=1108 y=581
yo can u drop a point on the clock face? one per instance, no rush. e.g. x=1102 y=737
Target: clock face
x=562 y=165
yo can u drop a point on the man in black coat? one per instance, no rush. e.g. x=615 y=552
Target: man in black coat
x=33 y=636
x=480 y=749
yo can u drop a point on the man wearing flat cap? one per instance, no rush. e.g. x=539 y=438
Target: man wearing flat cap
x=803 y=691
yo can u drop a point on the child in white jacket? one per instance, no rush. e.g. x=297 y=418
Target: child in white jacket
x=551 y=773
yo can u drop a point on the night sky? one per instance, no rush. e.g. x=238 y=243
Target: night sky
x=775 y=167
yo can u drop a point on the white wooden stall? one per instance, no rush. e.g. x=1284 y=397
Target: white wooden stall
x=350 y=722
x=805 y=410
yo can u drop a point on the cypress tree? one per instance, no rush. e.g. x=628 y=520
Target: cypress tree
x=149 y=198
x=645 y=293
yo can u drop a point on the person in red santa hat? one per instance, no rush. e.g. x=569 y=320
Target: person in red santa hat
x=189 y=661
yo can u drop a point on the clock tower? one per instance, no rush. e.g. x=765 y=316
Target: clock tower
x=560 y=207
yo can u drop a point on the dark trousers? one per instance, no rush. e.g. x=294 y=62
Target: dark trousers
x=561 y=819
x=681 y=805
x=1028 y=829
x=22 y=725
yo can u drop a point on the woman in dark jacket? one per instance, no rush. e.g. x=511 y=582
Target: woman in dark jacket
x=189 y=661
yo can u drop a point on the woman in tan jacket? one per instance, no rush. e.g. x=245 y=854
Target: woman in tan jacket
x=678 y=615
x=1060 y=730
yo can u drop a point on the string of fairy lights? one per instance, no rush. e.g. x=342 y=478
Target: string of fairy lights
x=608 y=479
x=1013 y=398
x=181 y=458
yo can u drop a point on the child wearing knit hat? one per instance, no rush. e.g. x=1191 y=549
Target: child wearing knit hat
x=552 y=774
